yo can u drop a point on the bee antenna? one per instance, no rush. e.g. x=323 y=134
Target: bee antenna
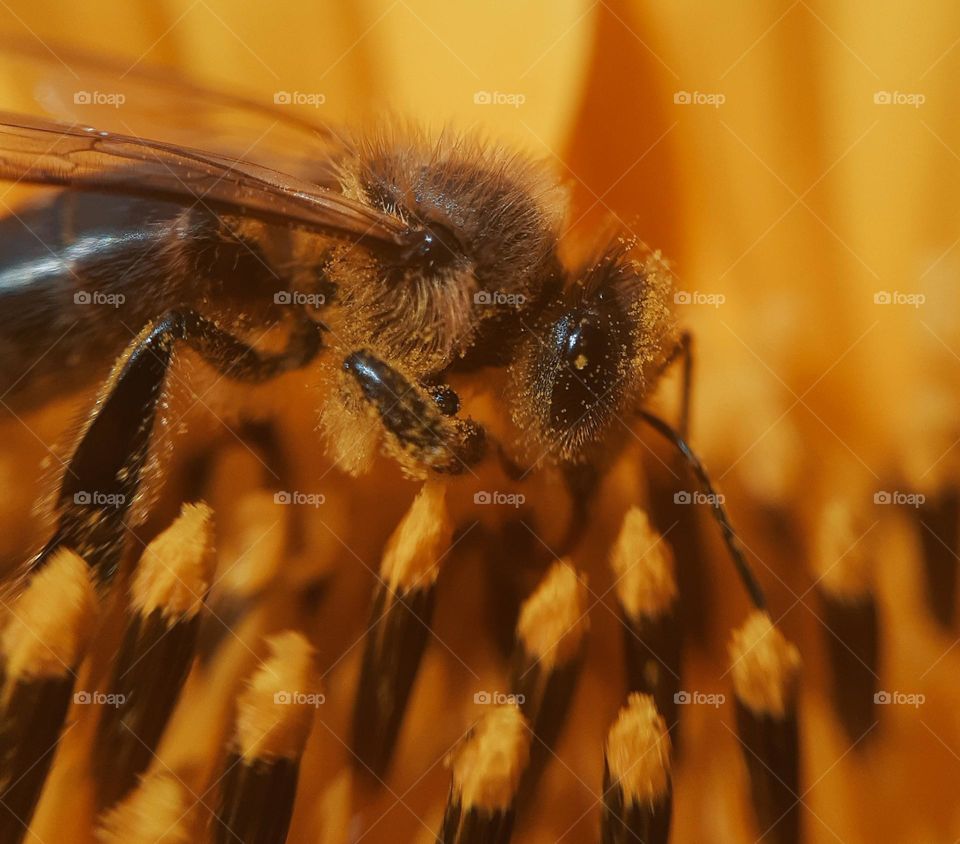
x=716 y=502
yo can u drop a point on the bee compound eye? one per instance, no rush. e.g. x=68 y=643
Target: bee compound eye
x=435 y=246
x=587 y=364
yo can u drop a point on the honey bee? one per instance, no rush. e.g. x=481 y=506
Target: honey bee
x=409 y=274
x=395 y=262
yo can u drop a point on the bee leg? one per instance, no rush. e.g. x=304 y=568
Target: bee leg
x=684 y=349
x=716 y=502
x=234 y=358
x=663 y=486
x=420 y=435
x=104 y=473
x=582 y=481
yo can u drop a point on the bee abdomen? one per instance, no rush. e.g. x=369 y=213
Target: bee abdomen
x=81 y=273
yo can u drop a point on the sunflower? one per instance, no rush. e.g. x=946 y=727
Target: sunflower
x=364 y=657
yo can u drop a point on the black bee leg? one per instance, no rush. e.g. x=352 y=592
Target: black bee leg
x=686 y=346
x=237 y=360
x=582 y=481
x=664 y=484
x=104 y=474
x=684 y=349
x=716 y=503
x=419 y=433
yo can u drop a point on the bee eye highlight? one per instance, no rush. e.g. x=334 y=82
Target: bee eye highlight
x=588 y=361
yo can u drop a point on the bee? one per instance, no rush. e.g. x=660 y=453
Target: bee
x=396 y=263
x=409 y=273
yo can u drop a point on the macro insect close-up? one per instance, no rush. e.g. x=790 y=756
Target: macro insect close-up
x=433 y=424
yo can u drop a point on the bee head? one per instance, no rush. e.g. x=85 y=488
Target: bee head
x=594 y=352
x=482 y=230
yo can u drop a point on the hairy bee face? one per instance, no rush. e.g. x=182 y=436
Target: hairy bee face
x=585 y=357
x=485 y=251
x=479 y=283
x=595 y=349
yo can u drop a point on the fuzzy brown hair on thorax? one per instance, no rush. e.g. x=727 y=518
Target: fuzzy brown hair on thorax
x=489 y=223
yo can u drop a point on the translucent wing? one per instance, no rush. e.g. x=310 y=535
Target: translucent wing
x=80 y=157
x=63 y=84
